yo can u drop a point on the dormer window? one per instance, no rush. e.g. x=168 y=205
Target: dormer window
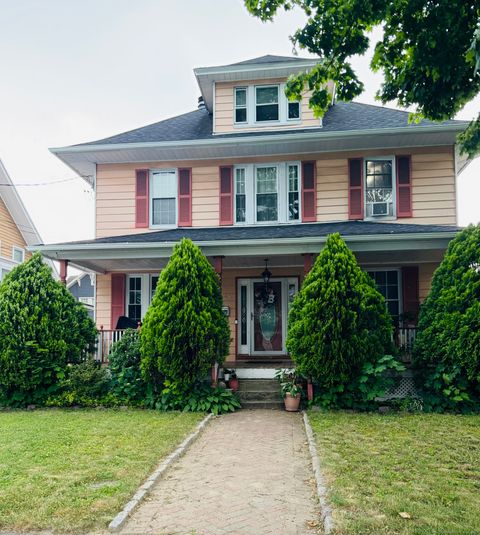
x=240 y=105
x=293 y=111
x=266 y=103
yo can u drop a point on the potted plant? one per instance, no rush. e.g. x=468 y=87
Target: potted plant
x=233 y=382
x=290 y=388
x=226 y=374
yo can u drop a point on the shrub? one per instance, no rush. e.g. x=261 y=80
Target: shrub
x=124 y=364
x=86 y=384
x=203 y=398
x=42 y=328
x=447 y=346
x=338 y=321
x=185 y=331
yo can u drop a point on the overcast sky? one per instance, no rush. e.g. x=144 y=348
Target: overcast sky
x=74 y=71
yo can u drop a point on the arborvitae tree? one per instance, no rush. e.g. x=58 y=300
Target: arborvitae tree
x=338 y=320
x=185 y=331
x=448 y=337
x=42 y=328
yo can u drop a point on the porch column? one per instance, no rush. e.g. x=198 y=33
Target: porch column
x=63 y=271
x=307 y=263
x=218 y=265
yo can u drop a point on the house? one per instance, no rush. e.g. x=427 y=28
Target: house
x=258 y=183
x=17 y=230
x=82 y=287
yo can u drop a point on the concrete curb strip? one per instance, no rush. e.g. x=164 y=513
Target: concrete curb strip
x=326 y=511
x=117 y=523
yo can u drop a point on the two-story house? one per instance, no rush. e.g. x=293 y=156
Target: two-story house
x=17 y=230
x=257 y=181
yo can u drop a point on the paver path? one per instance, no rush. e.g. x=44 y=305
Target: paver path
x=248 y=474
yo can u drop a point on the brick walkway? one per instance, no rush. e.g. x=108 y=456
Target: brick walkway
x=248 y=474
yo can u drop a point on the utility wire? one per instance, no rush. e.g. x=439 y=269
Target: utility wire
x=34 y=184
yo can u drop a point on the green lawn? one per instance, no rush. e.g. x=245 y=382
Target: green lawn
x=376 y=467
x=74 y=470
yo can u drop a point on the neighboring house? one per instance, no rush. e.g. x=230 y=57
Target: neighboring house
x=16 y=228
x=82 y=287
x=249 y=176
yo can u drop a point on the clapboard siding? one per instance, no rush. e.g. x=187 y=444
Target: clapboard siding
x=10 y=236
x=425 y=273
x=103 y=312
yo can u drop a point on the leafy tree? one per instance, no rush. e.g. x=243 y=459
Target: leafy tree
x=429 y=53
x=42 y=328
x=338 y=320
x=185 y=331
x=447 y=347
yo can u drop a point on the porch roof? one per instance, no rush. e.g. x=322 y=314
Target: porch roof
x=102 y=254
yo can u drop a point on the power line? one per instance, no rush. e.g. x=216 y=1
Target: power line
x=34 y=184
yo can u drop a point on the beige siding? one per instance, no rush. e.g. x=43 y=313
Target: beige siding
x=425 y=274
x=224 y=121
x=433 y=188
x=9 y=234
x=103 y=301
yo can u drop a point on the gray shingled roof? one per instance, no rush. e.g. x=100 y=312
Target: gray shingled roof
x=272 y=232
x=269 y=59
x=197 y=125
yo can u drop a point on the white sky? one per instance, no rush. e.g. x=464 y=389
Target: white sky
x=75 y=71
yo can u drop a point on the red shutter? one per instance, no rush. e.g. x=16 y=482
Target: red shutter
x=355 y=188
x=118 y=298
x=411 y=301
x=404 y=186
x=141 y=199
x=185 y=197
x=309 y=191
x=226 y=195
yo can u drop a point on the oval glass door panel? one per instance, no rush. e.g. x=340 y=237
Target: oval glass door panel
x=267 y=311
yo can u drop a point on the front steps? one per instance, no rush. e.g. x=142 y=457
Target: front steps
x=259 y=394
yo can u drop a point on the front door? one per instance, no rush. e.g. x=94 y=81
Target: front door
x=262 y=315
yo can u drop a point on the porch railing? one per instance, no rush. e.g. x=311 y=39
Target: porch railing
x=404 y=340
x=107 y=337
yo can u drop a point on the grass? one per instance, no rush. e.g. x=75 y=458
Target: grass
x=377 y=467
x=71 y=471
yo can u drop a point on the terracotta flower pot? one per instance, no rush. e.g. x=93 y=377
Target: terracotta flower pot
x=233 y=383
x=292 y=403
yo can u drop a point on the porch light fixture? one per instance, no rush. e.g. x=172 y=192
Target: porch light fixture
x=266 y=274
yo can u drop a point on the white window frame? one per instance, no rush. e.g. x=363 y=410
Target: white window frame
x=282 y=193
x=146 y=290
x=150 y=295
x=235 y=107
x=16 y=249
x=150 y=197
x=294 y=120
x=400 y=286
x=394 y=188
x=272 y=121
x=252 y=112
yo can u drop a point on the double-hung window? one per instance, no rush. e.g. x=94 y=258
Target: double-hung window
x=240 y=105
x=266 y=103
x=266 y=178
x=240 y=195
x=18 y=254
x=293 y=192
x=379 y=188
x=163 y=188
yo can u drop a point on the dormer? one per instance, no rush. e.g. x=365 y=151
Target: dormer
x=250 y=95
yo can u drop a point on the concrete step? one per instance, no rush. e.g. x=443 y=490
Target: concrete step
x=248 y=395
x=263 y=405
x=258 y=385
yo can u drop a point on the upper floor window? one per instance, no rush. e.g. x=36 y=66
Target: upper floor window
x=379 y=188
x=267 y=193
x=18 y=254
x=163 y=195
x=266 y=103
x=240 y=104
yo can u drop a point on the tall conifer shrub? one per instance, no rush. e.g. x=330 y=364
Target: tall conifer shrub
x=42 y=328
x=338 y=320
x=447 y=347
x=185 y=331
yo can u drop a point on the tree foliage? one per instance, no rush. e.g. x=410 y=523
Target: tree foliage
x=447 y=347
x=42 y=328
x=338 y=320
x=185 y=331
x=429 y=53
